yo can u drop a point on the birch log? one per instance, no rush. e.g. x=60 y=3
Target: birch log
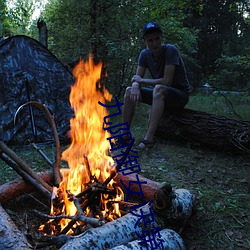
x=176 y=207
x=170 y=240
x=10 y=237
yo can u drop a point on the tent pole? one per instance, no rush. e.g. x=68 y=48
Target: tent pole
x=33 y=125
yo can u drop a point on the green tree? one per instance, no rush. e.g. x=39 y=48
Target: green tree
x=111 y=30
x=19 y=16
x=223 y=32
x=4 y=20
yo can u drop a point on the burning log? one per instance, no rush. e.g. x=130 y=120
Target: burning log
x=169 y=238
x=172 y=211
x=10 y=237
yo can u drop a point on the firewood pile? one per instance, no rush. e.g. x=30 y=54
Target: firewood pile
x=165 y=211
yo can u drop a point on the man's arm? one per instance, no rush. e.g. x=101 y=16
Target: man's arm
x=135 y=93
x=166 y=80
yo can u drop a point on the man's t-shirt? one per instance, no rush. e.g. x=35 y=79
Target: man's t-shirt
x=171 y=56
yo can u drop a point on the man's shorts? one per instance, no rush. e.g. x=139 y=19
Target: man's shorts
x=175 y=99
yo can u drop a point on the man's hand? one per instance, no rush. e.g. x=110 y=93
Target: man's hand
x=135 y=93
x=136 y=78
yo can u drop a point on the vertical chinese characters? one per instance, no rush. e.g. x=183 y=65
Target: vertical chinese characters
x=127 y=163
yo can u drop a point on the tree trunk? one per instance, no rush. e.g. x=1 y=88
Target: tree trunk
x=10 y=237
x=212 y=131
x=172 y=210
x=170 y=240
x=15 y=188
x=43 y=32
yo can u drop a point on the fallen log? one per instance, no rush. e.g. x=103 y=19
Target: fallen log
x=169 y=240
x=128 y=228
x=23 y=165
x=10 y=237
x=18 y=187
x=149 y=188
x=212 y=131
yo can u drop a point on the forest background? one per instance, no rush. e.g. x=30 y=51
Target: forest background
x=213 y=36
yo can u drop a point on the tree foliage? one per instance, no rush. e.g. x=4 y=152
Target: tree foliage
x=212 y=35
x=223 y=36
x=111 y=31
x=4 y=20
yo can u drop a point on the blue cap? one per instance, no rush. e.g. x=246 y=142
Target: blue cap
x=150 y=26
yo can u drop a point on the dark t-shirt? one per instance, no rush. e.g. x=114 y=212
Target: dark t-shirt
x=171 y=56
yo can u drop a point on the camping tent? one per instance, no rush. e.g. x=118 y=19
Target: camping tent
x=30 y=72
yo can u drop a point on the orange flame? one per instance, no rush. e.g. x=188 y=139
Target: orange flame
x=87 y=135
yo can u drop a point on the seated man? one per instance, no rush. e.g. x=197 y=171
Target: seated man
x=169 y=87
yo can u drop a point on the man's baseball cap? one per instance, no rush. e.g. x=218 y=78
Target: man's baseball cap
x=149 y=27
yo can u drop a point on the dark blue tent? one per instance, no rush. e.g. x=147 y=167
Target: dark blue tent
x=29 y=71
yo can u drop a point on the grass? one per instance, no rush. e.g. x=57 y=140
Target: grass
x=234 y=106
x=219 y=180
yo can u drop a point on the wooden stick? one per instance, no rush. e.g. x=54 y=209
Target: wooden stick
x=79 y=215
x=87 y=220
x=42 y=154
x=23 y=165
x=86 y=162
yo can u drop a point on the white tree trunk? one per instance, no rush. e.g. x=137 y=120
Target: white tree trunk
x=10 y=237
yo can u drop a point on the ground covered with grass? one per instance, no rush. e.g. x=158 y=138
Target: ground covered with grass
x=219 y=180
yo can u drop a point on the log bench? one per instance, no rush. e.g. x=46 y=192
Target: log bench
x=211 y=131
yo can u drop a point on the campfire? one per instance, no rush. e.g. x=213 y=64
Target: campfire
x=90 y=197
x=86 y=187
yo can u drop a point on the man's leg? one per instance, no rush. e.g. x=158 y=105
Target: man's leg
x=156 y=113
x=128 y=108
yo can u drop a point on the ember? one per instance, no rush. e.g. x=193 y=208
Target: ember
x=86 y=194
